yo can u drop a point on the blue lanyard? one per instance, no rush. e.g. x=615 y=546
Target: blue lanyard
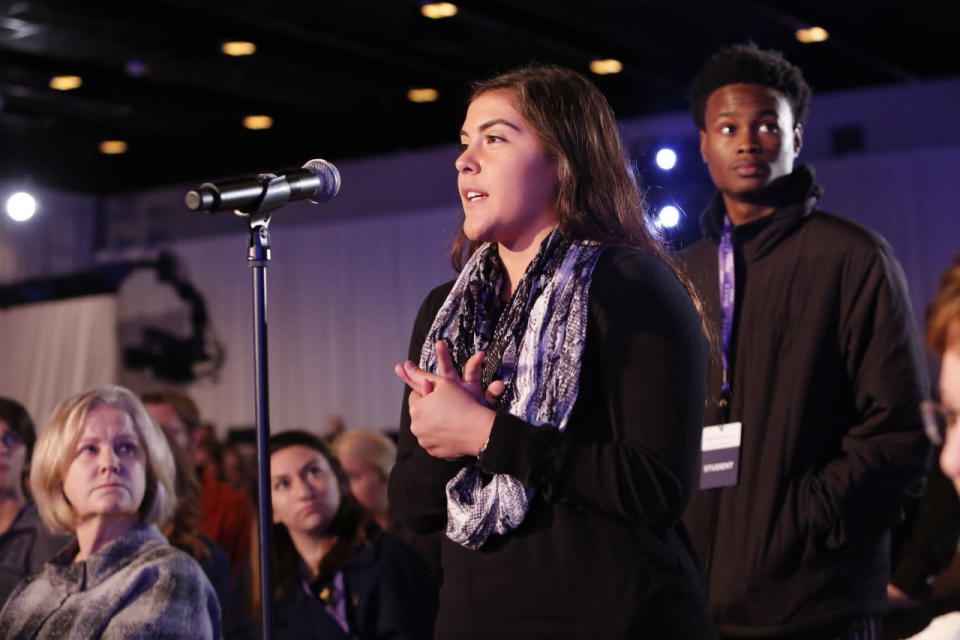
x=727 y=301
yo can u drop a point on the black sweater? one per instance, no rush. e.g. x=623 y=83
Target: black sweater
x=827 y=379
x=602 y=552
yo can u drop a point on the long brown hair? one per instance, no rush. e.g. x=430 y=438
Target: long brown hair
x=598 y=197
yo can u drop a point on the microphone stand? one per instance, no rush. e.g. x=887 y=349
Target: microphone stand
x=276 y=193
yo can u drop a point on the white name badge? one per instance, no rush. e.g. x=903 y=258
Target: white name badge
x=720 y=455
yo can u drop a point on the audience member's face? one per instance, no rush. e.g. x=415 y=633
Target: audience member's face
x=107 y=476
x=203 y=460
x=304 y=490
x=164 y=415
x=204 y=430
x=750 y=139
x=950 y=397
x=234 y=469
x=367 y=484
x=507 y=184
x=13 y=454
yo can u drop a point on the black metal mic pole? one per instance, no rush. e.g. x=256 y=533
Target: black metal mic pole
x=258 y=256
x=276 y=192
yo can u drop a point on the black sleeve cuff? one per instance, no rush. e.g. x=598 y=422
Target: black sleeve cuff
x=515 y=447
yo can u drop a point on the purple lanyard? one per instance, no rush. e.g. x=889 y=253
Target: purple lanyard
x=727 y=301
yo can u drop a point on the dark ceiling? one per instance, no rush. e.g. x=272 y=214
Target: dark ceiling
x=334 y=75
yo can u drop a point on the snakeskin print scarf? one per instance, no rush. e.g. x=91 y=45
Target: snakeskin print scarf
x=533 y=343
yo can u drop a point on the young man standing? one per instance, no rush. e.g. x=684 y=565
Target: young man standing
x=812 y=438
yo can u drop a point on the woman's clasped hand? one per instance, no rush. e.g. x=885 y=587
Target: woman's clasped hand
x=450 y=413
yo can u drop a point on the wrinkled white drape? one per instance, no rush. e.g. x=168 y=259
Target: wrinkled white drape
x=53 y=349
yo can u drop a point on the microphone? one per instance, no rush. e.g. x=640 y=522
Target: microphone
x=317 y=181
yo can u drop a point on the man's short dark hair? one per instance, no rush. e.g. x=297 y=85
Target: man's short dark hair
x=181 y=403
x=748 y=64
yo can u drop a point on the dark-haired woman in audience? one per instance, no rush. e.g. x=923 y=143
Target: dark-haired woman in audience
x=556 y=387
x=102 y=471
x=336 y=575
x=25 y=544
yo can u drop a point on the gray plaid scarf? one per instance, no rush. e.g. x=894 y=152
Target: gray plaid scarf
x=533 y=344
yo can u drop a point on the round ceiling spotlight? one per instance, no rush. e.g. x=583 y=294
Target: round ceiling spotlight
x=21 y=206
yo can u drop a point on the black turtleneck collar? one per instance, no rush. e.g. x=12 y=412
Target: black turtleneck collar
x=794 y=197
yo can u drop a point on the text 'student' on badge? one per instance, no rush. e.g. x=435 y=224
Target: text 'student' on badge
x=720 y=455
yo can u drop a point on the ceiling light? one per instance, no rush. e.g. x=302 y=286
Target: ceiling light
x=437 y=10
x=238 y=48
x=65 y=83
x=113 y=147
x=811 y=35
x=605 y=67
x=21 y=206
x=422 y=95
x=258 y=122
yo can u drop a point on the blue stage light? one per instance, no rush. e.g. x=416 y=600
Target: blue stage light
x=666 y=158
x=668 y=217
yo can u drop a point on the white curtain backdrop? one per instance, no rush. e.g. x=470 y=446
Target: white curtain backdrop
x=53 y=349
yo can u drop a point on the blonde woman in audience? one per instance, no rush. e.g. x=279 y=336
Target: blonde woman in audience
x=103 y=472
x=368 y=456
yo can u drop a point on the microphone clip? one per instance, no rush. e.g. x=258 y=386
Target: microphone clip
x=275 y=194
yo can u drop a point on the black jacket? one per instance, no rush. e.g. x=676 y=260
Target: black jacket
x=826 y=378
x=601 y=552
x=389 y=596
